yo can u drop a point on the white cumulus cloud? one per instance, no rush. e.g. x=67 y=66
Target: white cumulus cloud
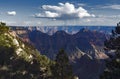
x=63 y=11
x=11 y=13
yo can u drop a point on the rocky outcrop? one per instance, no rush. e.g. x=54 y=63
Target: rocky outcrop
x=20 y=60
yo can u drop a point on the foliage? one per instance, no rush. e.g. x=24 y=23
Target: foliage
x=14 y=66
x=3 y=27
x=62 y=68
x=112 y=70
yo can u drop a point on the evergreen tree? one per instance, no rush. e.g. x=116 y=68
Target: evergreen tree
x=62 y=68
x=3 y=27
x=112 y=70
x=29 y=64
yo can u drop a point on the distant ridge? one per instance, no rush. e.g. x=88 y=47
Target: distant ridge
x=50 y=30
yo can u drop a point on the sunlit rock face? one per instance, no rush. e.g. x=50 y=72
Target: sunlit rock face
x=99 y=54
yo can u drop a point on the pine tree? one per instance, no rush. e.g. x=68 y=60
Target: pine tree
x=62 y=69
x=112 y=70
x=3 y=27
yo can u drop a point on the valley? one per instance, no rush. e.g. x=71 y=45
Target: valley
x=85 y=48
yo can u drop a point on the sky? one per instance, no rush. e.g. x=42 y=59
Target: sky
x=60 y=12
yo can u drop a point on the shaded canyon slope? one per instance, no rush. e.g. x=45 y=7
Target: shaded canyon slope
x=50 y=45
x=84 y=48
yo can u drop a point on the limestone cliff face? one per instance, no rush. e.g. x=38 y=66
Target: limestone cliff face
x=21 y=32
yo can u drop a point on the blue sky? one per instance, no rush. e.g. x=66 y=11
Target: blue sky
x=59 y=12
